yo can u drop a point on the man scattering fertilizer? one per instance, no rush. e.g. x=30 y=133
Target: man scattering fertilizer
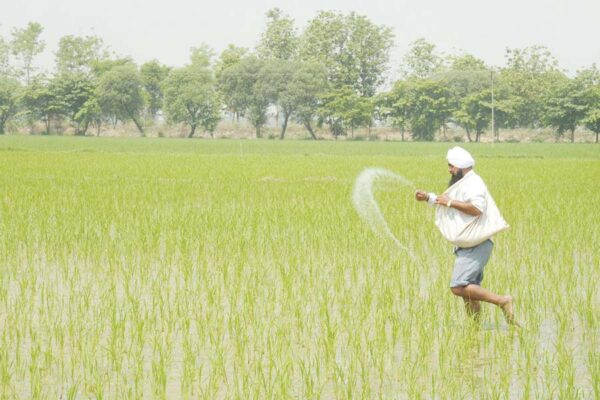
x=468 y=217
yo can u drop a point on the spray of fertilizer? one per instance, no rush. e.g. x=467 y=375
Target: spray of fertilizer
x=366 y=206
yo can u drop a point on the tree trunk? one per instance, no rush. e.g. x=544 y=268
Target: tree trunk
x=573 y=135
x=477 y=135
x=402 y=133
x=192 y=131
x=597 y=136
x=469 y=135
x=312 y=133
x=47 y=123
x=258 y=132
x=137 y=124
x=286 y=117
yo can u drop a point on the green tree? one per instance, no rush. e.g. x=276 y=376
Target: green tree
x=72 y=92
x=394 y=106
x=354 y=51
x=246 y=91
x=202 y=56
x=25 y=45
x=530 y=76
x=77 y=53
x=343 y=109
x=229 y=57
x=4 y=57
x=566 y=106
x=10 y=89
x=119 y=93
x=191 y=98
x=308 y=83
x=229 y=83
x=475 y=113
x=279 y=41
x=421 y=61
x=40 y=103
x=153 y=75
x=421 y=104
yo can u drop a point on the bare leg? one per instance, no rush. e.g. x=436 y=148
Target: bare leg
x=477 y=293
x=473 y=308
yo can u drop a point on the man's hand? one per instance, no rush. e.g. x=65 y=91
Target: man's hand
x=421 y=195
x=442 y=200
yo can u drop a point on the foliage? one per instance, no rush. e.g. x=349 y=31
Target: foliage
x=421 y=61
x=475 y=113
x=25 y=45
x=153 y=74
x=39 y=102
x=246 y=90
x=10 y=90
x=344 y=109
x=308 y=84
x=191 y=98
x=72 y=91
x=279 y=41
x=229 y=57
x=354 y=51
x=566 y=106
x=119 y=93
x=77 y=53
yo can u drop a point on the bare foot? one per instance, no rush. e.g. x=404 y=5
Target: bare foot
x=507 y=308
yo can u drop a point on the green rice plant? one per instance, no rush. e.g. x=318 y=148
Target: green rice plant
x=156 y=268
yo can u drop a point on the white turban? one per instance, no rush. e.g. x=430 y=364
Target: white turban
x=460 y=158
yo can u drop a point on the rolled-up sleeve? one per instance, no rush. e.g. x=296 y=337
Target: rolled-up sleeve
x=475 y=194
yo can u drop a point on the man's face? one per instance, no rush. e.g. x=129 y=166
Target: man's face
x=456 y=173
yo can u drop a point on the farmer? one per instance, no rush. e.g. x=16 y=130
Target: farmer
x=470 y=200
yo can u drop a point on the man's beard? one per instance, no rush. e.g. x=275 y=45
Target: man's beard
x=456 y=178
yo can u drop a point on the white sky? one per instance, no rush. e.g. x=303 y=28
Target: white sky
x=167 y=29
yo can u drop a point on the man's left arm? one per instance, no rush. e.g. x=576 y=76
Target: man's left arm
x=462 y=206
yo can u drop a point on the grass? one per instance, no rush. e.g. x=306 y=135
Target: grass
x=166 y=268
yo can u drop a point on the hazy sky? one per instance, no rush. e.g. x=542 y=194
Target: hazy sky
x=167 y=29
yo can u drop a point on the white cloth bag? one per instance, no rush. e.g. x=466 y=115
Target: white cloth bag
x=463 y=230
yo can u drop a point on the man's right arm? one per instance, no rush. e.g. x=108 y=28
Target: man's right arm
x=421 y=195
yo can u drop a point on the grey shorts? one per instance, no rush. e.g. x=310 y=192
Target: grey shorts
x=469 y=264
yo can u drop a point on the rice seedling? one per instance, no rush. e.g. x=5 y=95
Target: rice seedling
x=240 y=269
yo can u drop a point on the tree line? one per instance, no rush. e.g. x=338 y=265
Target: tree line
x=329 y=76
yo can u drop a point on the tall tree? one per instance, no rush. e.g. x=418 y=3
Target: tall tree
x=10 y=89
x=72 y=92
x=474 y=113
x=354 y=51
x=153 y=75
x=191 y=98
x=40 y=103
x=119 y=93
x=566 y=106
x=343 y=109
x=308 y=83
x=229 y=57
x=25 y=45
x=530 y=76
x=246 y=90
x=4 y=57
x=279 y=41
x=421 y=61
x=77 y=53
x=421 y=104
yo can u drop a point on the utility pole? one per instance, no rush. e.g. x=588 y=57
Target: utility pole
x=493 y=122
